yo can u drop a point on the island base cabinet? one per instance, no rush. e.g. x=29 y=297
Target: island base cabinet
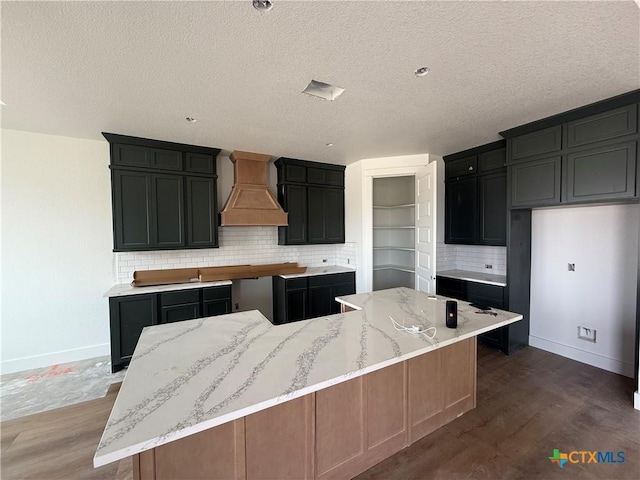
x=337 y=432
x=361 y=422
x=280 y=440
x=442 y=386
x=193 y=457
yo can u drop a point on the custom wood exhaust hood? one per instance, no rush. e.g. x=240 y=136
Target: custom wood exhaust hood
x=250 y=201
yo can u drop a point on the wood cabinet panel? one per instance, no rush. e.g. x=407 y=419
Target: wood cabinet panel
x=426 y=400
x=458 y=378
x=217 y=453
x=280 y=441
x=386 y=416
x=340 y=427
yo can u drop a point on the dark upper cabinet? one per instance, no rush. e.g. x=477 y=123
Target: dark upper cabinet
x=202 y=210
x=313 y=195
x=127 y=317
x=157 y=205
x=302 y=298
x=293 y=199
x=461 y=211
x=132 y=210
x=537 y=143
x=461 y=167
x=603 y=126
x=492 y=194
x=585 y=155
x=476 y=196
x=325 y=215
x=200 y=163
x=167 y=199
x=601 y=173
x=536 y=183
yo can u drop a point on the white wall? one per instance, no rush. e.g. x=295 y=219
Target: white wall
x=353 y=216
x=56 y=249
x=602 y=241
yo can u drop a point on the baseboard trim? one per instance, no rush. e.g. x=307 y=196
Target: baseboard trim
x=54 y=358
x=636 y=400
x=594 y=359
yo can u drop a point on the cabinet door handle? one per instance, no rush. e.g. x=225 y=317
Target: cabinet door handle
x=471 y=168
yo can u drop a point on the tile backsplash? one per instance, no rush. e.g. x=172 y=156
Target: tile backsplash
x=238 y=245
x=471 y=257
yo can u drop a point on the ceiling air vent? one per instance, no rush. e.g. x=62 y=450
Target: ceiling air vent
x=323 y=90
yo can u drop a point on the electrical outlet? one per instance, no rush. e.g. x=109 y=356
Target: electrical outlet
x=237 y=305
x=324 y=260
x=588 y=334
x=571 y=267
x=488 y=265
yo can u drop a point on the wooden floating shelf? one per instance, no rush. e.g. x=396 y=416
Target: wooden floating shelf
x=145 y=278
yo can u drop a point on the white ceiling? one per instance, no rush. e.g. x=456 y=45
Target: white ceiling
x=139 y=68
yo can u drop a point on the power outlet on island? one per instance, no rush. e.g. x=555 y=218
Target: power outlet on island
x=588 y=334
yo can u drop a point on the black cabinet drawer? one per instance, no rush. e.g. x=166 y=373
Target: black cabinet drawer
x=211 y=308
x=331 y=279
x=178 y=313
x=604 y=126
x=537 y=143
x=296 y=283
x=461 y=167
x=216 y=293
x=180 y=297
x=483 y=294
x=200 y=163
x=451 y=287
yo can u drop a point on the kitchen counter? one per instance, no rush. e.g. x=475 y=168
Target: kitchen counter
x=313 y=271
x=488 y=278
x=191 y=376
x=125 y=289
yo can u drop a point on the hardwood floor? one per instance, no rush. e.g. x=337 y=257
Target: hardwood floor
x=527 y=405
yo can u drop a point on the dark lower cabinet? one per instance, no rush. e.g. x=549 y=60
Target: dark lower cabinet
x=509 y=338
x=130 y=314
x=302 y=298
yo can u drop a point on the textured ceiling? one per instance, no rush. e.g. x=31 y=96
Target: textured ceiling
x=139 y=68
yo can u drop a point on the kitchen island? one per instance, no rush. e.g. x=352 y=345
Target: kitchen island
x=234 y=396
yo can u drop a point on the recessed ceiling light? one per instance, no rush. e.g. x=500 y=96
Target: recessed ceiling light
x=262 y=5
x=329 y=144
x=323 y=90
x=191 y=120
x=421 y=72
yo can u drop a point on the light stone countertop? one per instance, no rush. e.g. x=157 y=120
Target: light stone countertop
x=190 y=376
x=125 y=289
x=488 y=278
x=326 y=270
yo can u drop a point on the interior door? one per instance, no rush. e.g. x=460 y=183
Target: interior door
x=426 y=229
